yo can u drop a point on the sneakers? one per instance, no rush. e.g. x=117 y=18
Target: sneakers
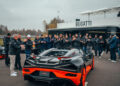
x=13 y=74
x=109 y=59
x=113 y=61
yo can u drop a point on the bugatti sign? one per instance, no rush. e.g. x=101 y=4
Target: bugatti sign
x=83 y=23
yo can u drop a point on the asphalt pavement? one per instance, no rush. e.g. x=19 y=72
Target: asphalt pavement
x=105 y=73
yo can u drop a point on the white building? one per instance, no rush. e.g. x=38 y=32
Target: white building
x=101 y=17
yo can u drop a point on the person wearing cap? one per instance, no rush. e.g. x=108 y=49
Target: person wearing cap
x=13 y=49
x=6 y=41
x=113 y=46
x=28 y=46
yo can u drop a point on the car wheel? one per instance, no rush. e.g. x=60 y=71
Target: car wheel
x=82 y=80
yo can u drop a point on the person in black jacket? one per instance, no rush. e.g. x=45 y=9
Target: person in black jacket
x=18 y=57
x=48 y=42
x=6 y=45
x=84 y=43
x=37 y=45
x=51 y=41
x=100 y=45
x=42 y=43
x=55 y=41
x=66 y=41
x=13 y=49
x=80 y=40
x=95 y=45
x=107 y=44
x=28 y=46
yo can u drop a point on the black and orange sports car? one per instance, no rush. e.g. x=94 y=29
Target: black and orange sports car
x=59 y=67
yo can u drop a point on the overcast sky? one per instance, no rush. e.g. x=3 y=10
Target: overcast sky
x=29 y=14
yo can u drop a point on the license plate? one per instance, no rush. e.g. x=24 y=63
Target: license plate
x=44 y=74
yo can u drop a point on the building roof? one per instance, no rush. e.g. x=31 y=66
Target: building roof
x=101 y=10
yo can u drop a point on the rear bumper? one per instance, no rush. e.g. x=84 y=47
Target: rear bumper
x=37 y=78
x=55 y=75
x=48 y=80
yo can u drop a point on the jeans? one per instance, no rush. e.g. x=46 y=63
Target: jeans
x=28 y=53
x=7 y=59
x=100 y=50
x=119 y=52
x=113 y=53
x=18 y=61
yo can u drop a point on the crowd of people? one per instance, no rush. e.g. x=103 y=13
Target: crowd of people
x=14 y=45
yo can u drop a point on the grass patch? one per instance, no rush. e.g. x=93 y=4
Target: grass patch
x=1 y=41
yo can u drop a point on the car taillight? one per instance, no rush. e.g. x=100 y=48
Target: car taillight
x=69 y=74
x=26 y=70
x=34 y=57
